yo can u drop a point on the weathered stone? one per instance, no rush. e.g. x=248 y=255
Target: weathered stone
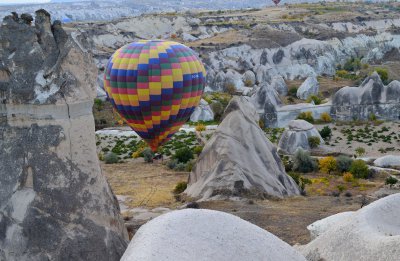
x=296 y=136
x=203 y=112
x=239 y=160
x=266 y=101
x=279 y=84
x=55 y=204
x=388 y=161
x=249 y=79
x=309 y=87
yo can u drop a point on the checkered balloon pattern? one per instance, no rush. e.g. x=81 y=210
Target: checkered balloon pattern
x=155 y=87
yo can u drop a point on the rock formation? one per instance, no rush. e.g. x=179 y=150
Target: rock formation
x=372 y=97
x=309 y=87
x=200 y=234
x=371 y=233
x=249 y=79
x=388 y=161
x=55 y=204
x=203 y=112
x=266 y=101
x=239 y=160
x=278 y=83
x=296 y=136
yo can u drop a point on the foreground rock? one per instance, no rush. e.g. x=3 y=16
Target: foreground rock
x=203 y=112
x=239 y=160
x=370 y=234
x=388 y=161
x=372 y=97
x=55 y=204
x=206 y=235
x=296 y=136
x=309 y=87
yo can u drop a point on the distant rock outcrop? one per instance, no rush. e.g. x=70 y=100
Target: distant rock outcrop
x=266 y=101
x=279 y=84
x=203 y=112
x=388 y=161
x=239 y=160
x=372 y=97
x=201 y=234
x=374 y=233
x=296 y=136
x=309 y=87
x=55 y=204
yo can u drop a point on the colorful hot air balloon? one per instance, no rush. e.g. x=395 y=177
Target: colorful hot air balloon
x=155 y=86
x=276 y=2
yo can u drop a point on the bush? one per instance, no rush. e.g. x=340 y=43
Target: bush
x=197 y=150
x=307 y=116
x=111 y=158
x=359 y=169
x=325 y=117
x=348 y=177
x=327 y=164
x=180 y=166
x=326 y=133
x=180 y=187
x=352 y=64
x=343 y=163
x=372 y=117
x=341 y=188
x=172 y=164
x=98 y=104
x=218 y=109
x=230 y=88
x=303 y=162
x=293 y=92
x=314 y=141
x=391 y=181
x=383 y=73
x=317 y=100
x=360 y=151
x=183 y=155
x=200 y=127
x=148 y=155
x=300 y=180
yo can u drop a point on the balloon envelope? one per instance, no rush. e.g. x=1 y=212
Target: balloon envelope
x=276 y=2
x=155 y=87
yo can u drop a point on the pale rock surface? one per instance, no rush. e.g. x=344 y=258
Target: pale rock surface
x=203 y=112
x=266 y=101
x=206 y=235
x=239 y=160
x=279 y=84
x=309 y=87
x=371 y=233
x=249 y=78
x=55 y=204
x=320 y=226
x=296 y=136
x=388 y=161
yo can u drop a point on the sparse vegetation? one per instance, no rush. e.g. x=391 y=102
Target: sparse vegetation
x=325 y=117
x=180 y=188
x=183 y=155
x=307 y=116
x=343 y=163
x=326 y=133
x=303 y=162
x=328 y=164
x=314 y=141
x=111 y=158
x=359 y=169
x=348 y=177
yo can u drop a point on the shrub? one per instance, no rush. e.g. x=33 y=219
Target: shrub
x=307 y=116
x=383 y=73
x=148 y=155
x=183 y=155
x=352 y=64
x=303 y=162
x=359 y=169
x=180 y=187
x=172 y=164
x=317 y=100
x=189 y=166
x=180 y=166
x=200 y=127
x=391 y=181
x=360 y=151
x=314 y=141
x=293 y=91
x=197 y=150
x=343 y=163
x=326 y=133
x=218 y=109
x=230 y=88
x=328 y=164
x=341 y=188
x=372 y=117
x=348 y=177
x=98 y=104
x=111 y=158
x=325 y=117
x=300 y=180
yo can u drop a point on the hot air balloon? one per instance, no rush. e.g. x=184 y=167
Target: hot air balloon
x=154 y=86
x=276 y=2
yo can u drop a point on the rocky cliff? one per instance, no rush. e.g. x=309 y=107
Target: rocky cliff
x=55 y=204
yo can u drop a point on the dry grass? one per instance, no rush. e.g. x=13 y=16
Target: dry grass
x=147 y=185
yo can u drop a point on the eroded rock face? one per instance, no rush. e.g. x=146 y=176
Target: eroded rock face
x=309 y=87
x=388 y=161
x=296 y=136
x=372 y=97
x=203 y=112
x=374 y=233
x=55 y=204
x=279 y=84
x=228 y=238
x=239 y=160
x=266 y=101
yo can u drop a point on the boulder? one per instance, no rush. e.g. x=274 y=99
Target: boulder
x=266 y=101
x=372 y=97
x=233 y=79
x=320 y=226
x=371 y=233
x=279 y=84
x=55 y=203
x=388 y=161
x=239 y=160
x=249 y=79
x=309 y=87
x=203 y=112
x=263 y=74
x=296 y=136
x=205 y=235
